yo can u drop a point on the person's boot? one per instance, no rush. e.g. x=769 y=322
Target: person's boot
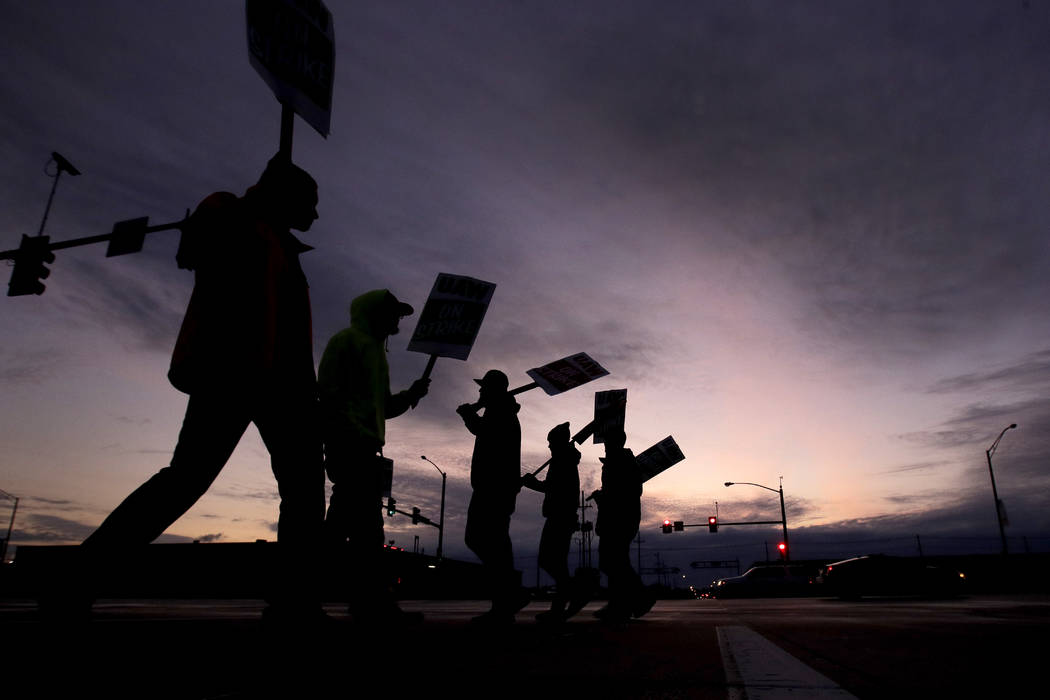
x=581 y=592
x=556 y=613
x=643 y=602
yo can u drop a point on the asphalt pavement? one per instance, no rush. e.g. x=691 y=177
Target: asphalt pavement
x=767 y=648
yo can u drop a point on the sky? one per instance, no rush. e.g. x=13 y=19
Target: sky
x=809 y=238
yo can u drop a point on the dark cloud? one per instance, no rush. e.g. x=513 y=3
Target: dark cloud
x=133 y=421
x=243 y=492
x=51 y=501
x=143 y=314
x=29 y=367
x=1030 y=372
x=43 y=528
x=214 y=537
x=920 y=467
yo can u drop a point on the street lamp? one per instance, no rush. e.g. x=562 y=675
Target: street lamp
x=995 y=494
x=10 y=525
x=783 y=513
x=441 y=518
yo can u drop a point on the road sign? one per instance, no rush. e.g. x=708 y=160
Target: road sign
x=127 y=237
x=291 y=44
x=566 y=373
x=660 y=457
x=452 y=316
x=610 y=412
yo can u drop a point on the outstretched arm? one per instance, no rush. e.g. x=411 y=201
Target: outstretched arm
x=398 y=403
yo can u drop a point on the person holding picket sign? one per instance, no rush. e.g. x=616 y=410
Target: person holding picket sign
x=495 y=476
x=560 y=492
x=619 y=514
x=354 y=383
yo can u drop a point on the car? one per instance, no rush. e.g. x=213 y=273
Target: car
x=771 y=581
x=883 y=575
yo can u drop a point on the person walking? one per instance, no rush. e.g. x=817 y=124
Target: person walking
x=354 y=381
x=495 y=477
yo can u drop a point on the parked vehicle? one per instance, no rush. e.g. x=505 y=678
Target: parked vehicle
x=772 y=581
x=882 y=575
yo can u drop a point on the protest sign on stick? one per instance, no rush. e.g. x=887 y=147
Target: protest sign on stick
x=659 y=458
x=451 y=318
x=291 y=45
x=564 y=374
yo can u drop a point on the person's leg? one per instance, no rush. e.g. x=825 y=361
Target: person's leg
x=356 y=507
x=210 y=431
x=639 y=599
x=613 y=557
x=288 y=426
x=487 y=534
x=553 y=558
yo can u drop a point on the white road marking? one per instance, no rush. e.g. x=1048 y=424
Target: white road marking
x=757 y=669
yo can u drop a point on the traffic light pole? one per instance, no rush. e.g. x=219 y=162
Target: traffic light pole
x=749 y=522
x=784 y=523
x=88 y=240
x=418 y=519
x=783 y=513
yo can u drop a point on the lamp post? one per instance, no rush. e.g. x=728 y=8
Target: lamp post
x=441 y=518
x=10 y=525
x=995 y=494
x=783 y=513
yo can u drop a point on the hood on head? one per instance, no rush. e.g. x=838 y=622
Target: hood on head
x=369 y=311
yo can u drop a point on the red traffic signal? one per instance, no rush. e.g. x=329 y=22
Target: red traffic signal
x=712 y=524
x=783 y=549
x=667 y=526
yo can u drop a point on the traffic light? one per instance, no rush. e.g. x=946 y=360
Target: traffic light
x=783 y=549
x=30 y=268
x=712 y=523
x=667 y=526
x=679 y=526
x=390 y=502
x=415 y=515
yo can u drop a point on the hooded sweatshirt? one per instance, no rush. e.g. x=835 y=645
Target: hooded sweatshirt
x=562 y=486
x=354 y=377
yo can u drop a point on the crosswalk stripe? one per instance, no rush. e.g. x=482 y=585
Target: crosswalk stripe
x=757 y=669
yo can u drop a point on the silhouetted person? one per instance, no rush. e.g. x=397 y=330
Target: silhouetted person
x=354 y=381
x=560 y=492
x=244 y=355
x=495 y=476
x=619 y=513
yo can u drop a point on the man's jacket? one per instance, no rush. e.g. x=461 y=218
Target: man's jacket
x=561 y=488
x=619 y=503
x=247 y=326
x=495 y=466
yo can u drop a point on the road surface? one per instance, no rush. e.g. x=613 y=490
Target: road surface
x=792 y=648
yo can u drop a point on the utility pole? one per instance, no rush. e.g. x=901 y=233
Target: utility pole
x=585 y=534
